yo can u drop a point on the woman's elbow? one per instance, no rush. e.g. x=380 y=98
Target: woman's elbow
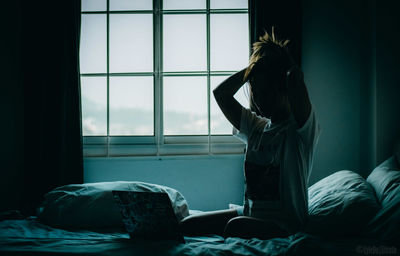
x=217 y=94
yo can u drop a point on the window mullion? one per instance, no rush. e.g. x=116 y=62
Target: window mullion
x=208 y=76
x=108 y=78
x=158 y=92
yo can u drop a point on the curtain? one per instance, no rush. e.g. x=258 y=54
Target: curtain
x=284 y=16
x=52 y=112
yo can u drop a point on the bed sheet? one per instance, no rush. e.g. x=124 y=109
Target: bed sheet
x=28 y=236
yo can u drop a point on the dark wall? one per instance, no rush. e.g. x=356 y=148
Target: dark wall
x=11 y=107
x=350 y=57
x=387 y=77
x=331 y=61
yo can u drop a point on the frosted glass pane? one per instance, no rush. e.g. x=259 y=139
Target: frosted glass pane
x=94 y=105
x=228 y=4
x=94 y=5
x=185 y=106
x=131 y=106
x=185 y=46
x=219 y=123
x=131 y=5
x=243 y=96
x=187 y=4
x=131 y=43
x=93 y=47
x=229 y=42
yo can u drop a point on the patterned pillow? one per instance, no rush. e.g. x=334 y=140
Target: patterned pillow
x=92 y=206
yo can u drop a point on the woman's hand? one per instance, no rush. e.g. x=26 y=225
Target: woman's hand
x=294 y=77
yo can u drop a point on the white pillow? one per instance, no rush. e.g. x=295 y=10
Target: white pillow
x=340 y=204
x=92 y=206
x=385 y=179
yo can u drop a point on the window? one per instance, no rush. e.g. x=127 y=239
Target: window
x=148 y=69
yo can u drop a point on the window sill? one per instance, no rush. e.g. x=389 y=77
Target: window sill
x=172 y=146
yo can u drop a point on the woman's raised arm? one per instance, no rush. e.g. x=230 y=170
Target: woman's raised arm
x=224 y=96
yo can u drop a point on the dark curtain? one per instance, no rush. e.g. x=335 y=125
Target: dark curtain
x=52 y=111
x=284 y=15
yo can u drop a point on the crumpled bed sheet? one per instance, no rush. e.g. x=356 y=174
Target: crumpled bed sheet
x=28 y=236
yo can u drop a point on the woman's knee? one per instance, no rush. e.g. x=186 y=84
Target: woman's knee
x=235 y=227
x=206 y=223
x=248 y=227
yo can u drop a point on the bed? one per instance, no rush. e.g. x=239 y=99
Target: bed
x=349 y=215
x=30 y=237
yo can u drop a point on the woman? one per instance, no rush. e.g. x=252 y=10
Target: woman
x=280 y=131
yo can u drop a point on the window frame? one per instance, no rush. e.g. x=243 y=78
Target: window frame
x=159 y=144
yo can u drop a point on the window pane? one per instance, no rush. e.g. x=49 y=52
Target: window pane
x=185 y=106
x=228 y=4
x=131 y=106
x=94 y=5
x=94 y=105
x=219 y=123
x=187 y=4
x=185 y=46
x=131 y=43
x=93 y=47
x=131 y=5
x=229 y=42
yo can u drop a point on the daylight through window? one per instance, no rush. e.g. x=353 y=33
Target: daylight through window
x=148 y=69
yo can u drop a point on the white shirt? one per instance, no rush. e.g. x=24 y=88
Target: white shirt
x=277 y=167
